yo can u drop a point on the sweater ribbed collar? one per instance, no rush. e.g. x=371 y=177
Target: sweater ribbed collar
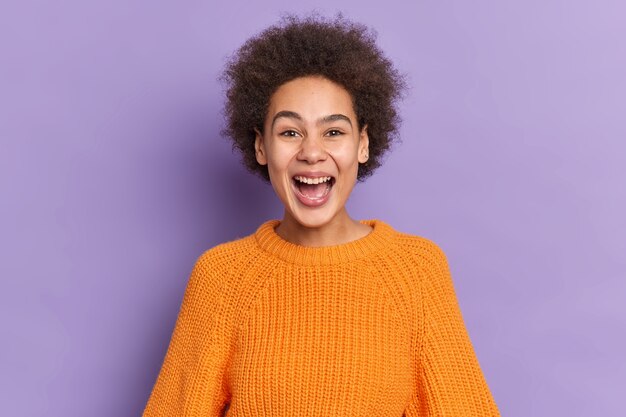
x=379 y=238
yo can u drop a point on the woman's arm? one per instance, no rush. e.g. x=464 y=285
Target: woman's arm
x=449 y=380
x=191 y=380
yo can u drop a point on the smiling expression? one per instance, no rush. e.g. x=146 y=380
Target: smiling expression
x=312 y=146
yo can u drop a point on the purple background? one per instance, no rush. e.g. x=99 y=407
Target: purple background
x=114 y=178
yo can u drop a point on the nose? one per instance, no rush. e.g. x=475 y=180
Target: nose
x=312 y=150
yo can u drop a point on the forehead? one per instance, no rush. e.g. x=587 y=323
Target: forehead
x=311 y=97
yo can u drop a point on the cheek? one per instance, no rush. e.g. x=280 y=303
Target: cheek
x=346 y=158
x=278 y=161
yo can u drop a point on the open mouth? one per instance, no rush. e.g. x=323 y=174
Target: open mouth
x=312 y=191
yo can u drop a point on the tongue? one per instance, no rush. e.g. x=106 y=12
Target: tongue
x=313 y=190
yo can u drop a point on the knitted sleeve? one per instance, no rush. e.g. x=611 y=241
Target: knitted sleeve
x=191 y=380
x=450 y=381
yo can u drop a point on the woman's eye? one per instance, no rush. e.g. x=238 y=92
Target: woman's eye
x=334 y=132
x=289 y=133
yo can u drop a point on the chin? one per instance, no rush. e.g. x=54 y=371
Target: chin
x=313 y=219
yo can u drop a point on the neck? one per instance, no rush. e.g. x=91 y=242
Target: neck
x=341 y=229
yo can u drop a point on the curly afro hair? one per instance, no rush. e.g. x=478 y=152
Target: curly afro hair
x=339 y=50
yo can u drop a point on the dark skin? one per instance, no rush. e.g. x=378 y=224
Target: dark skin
x=337 y=49
x=311 y=131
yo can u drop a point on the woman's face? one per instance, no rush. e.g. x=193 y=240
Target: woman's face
x=312 y=147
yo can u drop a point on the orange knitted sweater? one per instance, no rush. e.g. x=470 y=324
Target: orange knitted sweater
x=367 y=328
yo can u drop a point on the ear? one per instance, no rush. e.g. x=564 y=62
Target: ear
x=259 y=148
x=364 y=143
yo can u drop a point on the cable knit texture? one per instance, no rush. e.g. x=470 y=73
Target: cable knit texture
x=367 y=328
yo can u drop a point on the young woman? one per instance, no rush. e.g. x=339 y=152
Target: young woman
x=318 y=314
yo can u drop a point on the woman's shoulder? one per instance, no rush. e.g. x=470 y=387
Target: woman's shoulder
x=418 y=260
x=219 y=267
x=228 y=252
x=419 y=247
x=412 y=241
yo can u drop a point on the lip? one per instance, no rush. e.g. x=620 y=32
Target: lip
x=312 y=174
x=309 y=202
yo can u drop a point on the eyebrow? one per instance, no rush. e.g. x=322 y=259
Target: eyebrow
x=326 y=119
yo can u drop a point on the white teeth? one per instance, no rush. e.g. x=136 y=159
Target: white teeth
x=317 y=180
